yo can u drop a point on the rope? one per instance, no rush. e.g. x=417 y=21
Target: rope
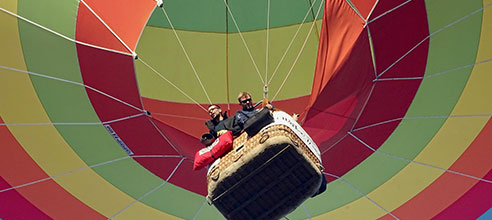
x=361 y=193
x=244 y=42
x=387 y=12
x=172 y=84
x=305 y=210
x=334 y=144
x=267 y=41
x=430 y=35
x=156 y=156
x=186 y=54
x=149 y=192
x=422 y=117
x=355 y=9
x=363 y=107
x=417 y=162
x=75 y=83
x=64 y=174
x=165 y=138
x=227 y=59
x=434 y=74
x=314 y=20
x=291 y=42
x=373 y=54
x=72 y=123
x=298 y=55
x=61 y=35
x=180 y=116
x=200 y=209
x=372 y=10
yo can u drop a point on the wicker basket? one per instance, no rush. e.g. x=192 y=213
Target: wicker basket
x=265 y=176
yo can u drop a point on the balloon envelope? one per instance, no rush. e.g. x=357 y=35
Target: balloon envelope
x=102 y=104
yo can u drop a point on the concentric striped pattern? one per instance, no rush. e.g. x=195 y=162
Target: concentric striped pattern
x=396 y=99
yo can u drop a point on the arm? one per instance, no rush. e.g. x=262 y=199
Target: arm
x=241 y=117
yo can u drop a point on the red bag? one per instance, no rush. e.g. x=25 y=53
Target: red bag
x=207 y=155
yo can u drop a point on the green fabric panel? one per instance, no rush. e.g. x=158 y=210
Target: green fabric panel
x=179 y=202
x=249 y=15
x=49 y=54
x=453 y=47
x=56 y=15
x=336 y=193
x=159 y=48
x=186 y=15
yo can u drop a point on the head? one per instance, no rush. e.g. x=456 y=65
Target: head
x=214 y=111
x=207 y=139
x=245 y=100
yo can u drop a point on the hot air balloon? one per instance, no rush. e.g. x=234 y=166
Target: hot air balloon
x=102 y=103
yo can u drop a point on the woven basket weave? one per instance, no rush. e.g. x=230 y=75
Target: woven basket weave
x=265 y=176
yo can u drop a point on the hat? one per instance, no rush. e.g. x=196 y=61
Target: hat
x=207 y=137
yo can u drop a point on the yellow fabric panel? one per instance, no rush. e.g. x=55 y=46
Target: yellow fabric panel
x=10 y=5
x=11 y=55
x=137 y=212
x=444 y=149
x=356 y=210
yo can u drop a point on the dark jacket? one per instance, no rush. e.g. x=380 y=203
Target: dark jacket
x=244 y=114
x=228 y=123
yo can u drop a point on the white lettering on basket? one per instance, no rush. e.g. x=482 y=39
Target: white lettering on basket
x=285 y=119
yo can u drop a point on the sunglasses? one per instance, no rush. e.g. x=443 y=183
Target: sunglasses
x=246 y=100
x=212 y=109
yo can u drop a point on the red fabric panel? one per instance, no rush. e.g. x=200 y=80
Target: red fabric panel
x=126 y=18
x=193 y=181
x=90 y=30
x=392 y=40
x=14 y=206
x=386 y=5
x=112 y=74
x=16 y=168
x=389 y=100
x=190 y=118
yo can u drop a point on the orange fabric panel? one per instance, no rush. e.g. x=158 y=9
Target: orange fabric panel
x=95 y=32
x=126 y=18
x=61 y=205
x=334 y=47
